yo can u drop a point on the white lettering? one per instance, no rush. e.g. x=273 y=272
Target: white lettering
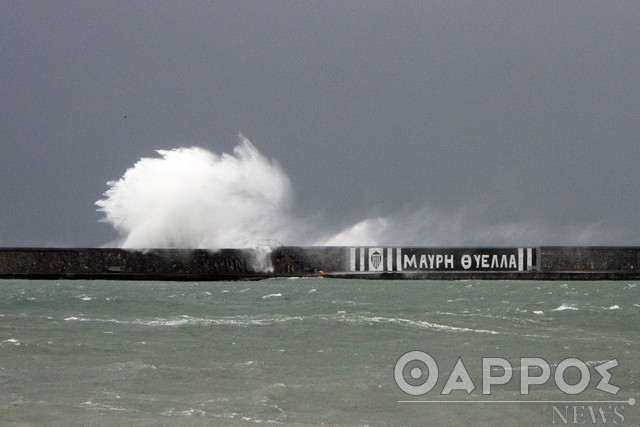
x=498 y=371
x=594 y=418
x=564 y=417
x=526 y=380
x=577 y=414
x=406 y=359
x=423 y=261
x=615 y=411
x=512 y=262
x=585 y=376
x=477 y=259
x=409 y=261
x=432 y=261
x=503 y=262
x=488 y=380
x=603 y=370
x=448 y=261
x=459 y=379
x=466 y=261
x=494 y=261
x=485 y=261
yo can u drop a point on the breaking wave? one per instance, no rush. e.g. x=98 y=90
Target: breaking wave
x=564 y=307
x=193 y=198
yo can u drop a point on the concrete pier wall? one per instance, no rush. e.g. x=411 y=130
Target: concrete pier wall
x=127 y=264
x=590 y=259
x=535 y=263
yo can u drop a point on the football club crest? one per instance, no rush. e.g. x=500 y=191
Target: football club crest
x=375 y=258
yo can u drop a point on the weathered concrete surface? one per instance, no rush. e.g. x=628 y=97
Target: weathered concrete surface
x=590 y=259
x=125 y=264
x=552 y=263
x=311 y=260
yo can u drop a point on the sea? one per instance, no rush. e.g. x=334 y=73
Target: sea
x=319 y=351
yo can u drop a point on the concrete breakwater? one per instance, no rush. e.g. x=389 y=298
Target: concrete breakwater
x=527 y=263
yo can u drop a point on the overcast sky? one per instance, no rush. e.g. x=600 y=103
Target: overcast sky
x=503 y=115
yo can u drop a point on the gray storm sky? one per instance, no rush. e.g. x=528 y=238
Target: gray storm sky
x=503 y=115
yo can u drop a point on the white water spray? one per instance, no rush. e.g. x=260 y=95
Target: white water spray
x=193 y=198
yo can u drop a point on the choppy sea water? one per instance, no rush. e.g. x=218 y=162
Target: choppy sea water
x=309 y=351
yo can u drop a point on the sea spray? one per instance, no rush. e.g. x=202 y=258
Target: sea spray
x=367 y=230
x=193 y=198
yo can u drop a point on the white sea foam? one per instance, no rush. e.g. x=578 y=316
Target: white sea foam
x=564 y=307
x=242 y=321
x=247 y=321
x=103 y=407
x=434 y=326
x=421 y=324
x=183 y=413
x=271 y=296
x=613 y=307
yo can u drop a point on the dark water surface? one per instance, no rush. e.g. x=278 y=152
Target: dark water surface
x=308 y=351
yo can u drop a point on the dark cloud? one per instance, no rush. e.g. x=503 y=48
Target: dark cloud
x=500 y=114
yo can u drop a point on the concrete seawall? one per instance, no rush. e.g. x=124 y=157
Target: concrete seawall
x=526 y=263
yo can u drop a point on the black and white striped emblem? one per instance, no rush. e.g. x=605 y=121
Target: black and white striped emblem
x=375 y=259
